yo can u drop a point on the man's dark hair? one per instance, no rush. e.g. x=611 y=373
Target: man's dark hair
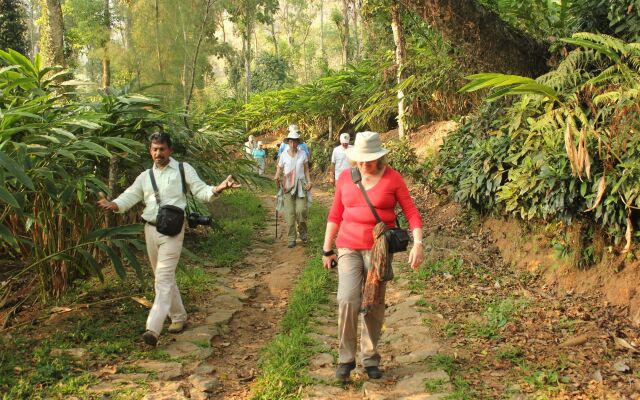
x=159 y=136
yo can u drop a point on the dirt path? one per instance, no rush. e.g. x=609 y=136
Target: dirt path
x=267 y=275
x=216 y=356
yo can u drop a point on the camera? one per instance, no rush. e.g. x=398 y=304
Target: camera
x=194 y=219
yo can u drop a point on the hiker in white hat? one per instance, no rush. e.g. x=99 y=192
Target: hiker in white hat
x=362 y=259
x=260 y=157
x=293 y=130
x=339 y=159
x=294 y=182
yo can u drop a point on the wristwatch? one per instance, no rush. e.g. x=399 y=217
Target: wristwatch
x=328 y=253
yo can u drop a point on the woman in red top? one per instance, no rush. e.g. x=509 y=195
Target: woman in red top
x=352 y=221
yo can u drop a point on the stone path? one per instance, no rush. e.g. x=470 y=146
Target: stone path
x=216 y=356
x=406 y=344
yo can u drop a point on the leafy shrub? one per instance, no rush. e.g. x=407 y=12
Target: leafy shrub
x=568 y=145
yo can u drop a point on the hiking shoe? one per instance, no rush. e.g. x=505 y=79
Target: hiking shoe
x=291 y=245
x=176 y=327
x=373 y=372
x=344 y=370
x=150 y=338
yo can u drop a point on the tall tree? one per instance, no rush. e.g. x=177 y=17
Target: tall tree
x=52 y=36
x=106 y=62
x=398 y=38
x=345 y=32
x=13 y=28
x=488 y=41
x=245 y=14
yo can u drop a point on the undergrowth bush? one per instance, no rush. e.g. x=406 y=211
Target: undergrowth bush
x=566 y=149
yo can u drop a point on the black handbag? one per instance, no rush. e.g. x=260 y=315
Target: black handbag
x=397 y=238
x=170 y=219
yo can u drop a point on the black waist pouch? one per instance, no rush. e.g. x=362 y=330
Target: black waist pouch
x=170 y=220
x=397 y=239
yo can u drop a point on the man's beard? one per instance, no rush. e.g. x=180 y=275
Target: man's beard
x=161 y=162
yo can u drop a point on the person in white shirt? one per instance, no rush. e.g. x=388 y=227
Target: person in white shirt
x=295 y=184
x=339 y=160
x=164 y=251
x=250 y=145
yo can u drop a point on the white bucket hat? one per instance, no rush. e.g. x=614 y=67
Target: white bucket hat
x=345 y=138
x=366 y=147
x=259 y=143
x=293 y=128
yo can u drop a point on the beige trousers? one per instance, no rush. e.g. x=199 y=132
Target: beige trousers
x=164 y=254
x=352 y=274
x=295 y=213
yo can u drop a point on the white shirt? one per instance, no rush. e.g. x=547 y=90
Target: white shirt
x=249 y=146
x=169 y=186
x=288 y=163
x=339 y=158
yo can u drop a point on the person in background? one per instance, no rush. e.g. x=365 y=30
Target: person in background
x=164 y=251
x=302 y=146
x=292 y=177
x=250 y=145
x=260 y=157
x=351 y=224
x=339 y=160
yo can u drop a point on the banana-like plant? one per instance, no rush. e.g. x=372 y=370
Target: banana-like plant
x=51 y=148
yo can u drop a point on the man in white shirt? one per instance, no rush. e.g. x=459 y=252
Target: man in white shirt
x=164 y=251
x=339 y=160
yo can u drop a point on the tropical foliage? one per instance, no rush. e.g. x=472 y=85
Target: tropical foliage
x=566 y=149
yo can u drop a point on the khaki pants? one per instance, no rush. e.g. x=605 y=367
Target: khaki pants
x=295 y=213
x=352 y=274
x=164 y=254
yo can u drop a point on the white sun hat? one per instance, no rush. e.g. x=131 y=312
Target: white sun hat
x=366 y=147
x=345 y=138
x=293 y=135
x=293 y=128
x=259 y=143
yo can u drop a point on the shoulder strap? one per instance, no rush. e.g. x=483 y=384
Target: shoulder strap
x=154 y=185
x=357 y=179
x=184 y=183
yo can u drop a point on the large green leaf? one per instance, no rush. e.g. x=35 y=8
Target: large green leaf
x=7 y=236
x=14 y=169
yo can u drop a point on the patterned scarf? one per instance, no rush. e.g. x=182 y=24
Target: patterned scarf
x=373 y=293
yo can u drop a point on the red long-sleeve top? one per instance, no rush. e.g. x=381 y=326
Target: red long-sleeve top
x=351 y=212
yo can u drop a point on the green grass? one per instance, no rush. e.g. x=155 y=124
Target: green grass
x=283 y=362
x=433 y=385
x=497 y=315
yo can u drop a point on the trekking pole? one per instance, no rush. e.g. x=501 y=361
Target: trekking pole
x=276 y=210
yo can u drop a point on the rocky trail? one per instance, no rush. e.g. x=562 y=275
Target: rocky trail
x=217 y=353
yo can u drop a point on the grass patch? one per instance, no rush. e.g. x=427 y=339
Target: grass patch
x=283 y=362
x=433 y=385
x=497 y=316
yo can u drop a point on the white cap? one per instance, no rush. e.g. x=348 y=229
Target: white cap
x=251 y=137
x=259 y=143
x=345 y=138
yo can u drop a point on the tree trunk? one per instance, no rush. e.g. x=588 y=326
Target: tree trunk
x=322 y=27
x=158 y=52
x=490 y=43
x=345 y=31
x=356 y=38
x=247 y=63
x=398 y=39
x=106 y=62
x=55 y=23
x=274 y=37
x=195 y=56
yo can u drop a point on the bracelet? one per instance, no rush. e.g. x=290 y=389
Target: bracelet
x=328 y=253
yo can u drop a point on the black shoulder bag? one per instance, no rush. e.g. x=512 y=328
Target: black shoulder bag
x=397 y=238
x=170 y=219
